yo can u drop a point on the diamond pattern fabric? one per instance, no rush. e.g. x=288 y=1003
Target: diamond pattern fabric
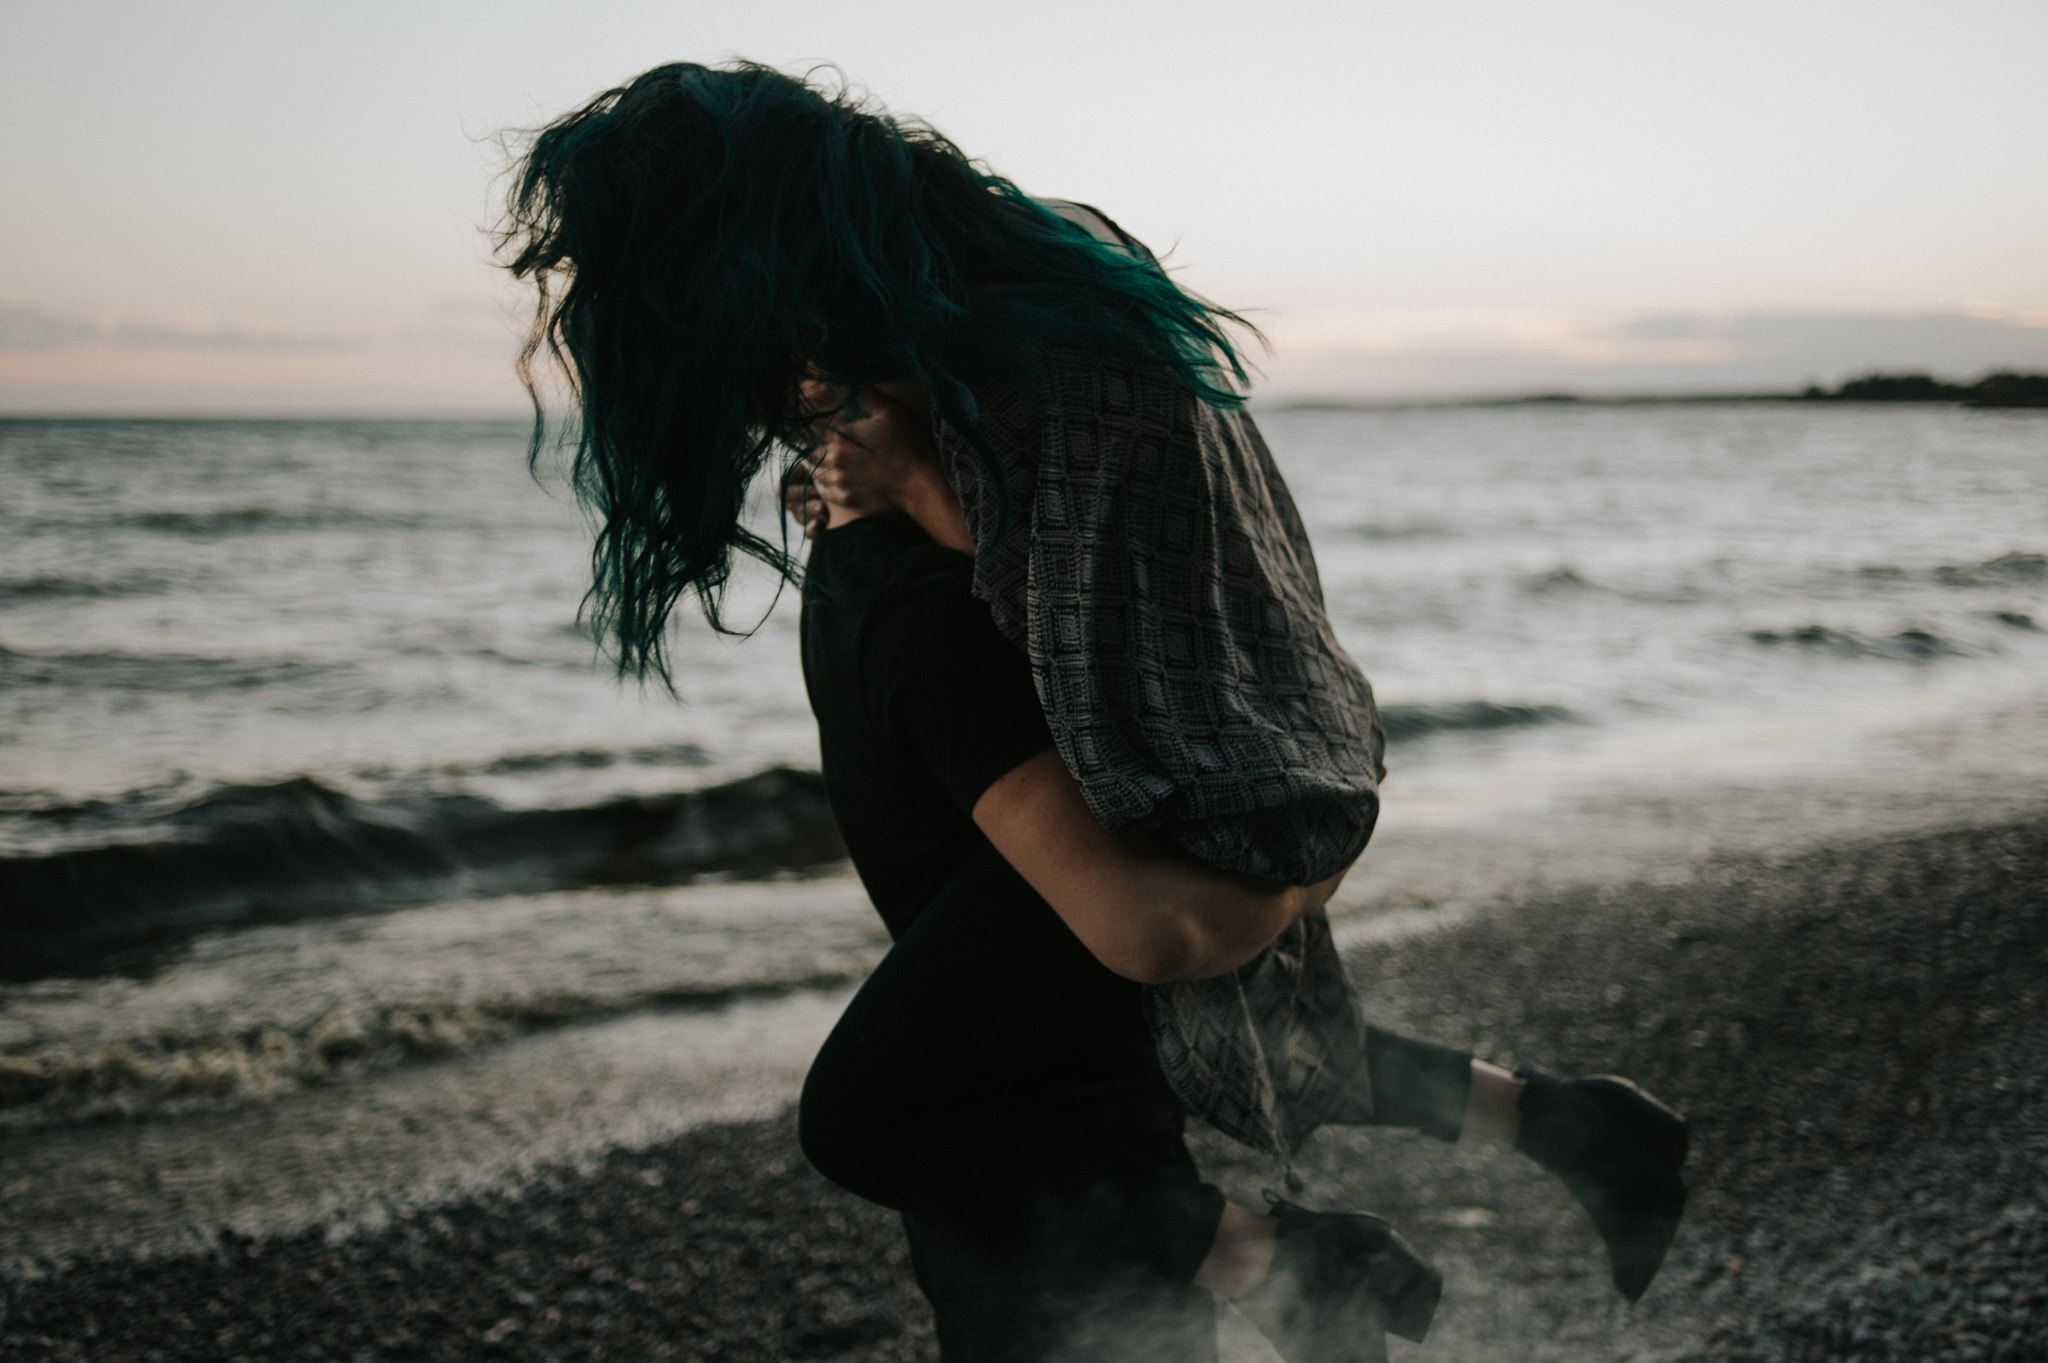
x=1152 y=565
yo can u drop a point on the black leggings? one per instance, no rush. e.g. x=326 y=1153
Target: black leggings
x=997 y=1085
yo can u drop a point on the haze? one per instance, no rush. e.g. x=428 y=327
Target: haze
x=263 y=208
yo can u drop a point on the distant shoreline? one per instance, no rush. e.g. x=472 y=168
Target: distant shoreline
x=1523 y=400
x=2002 y=389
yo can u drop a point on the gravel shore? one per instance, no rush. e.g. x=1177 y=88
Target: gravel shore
x=1857 y=1032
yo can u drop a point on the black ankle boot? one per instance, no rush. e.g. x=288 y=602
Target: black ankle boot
x=1338 y=1281
x=1619 y=1152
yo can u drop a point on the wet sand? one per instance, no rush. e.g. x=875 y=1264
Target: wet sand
x=1857 y=1031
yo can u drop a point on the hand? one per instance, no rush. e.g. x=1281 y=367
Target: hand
x=877 y=456
x=860 y=462
x=802 y=502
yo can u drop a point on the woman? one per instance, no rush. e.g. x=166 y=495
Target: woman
x=1095 y=751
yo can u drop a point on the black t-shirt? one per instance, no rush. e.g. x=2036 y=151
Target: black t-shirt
x=921 y=704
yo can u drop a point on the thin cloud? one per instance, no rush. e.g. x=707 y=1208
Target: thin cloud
x=25 y=327
x=1464 y=351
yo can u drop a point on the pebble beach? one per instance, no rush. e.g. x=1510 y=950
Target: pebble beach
x=1855 y=1030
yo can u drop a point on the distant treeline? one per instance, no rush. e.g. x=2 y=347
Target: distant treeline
x=2002 y=389
x=2006 y=388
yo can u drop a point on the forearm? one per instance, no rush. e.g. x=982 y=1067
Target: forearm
x=1146 y=912
x=930 y=501
x=1196 y=920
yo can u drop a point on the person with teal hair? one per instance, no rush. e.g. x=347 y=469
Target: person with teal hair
x=1095 y=750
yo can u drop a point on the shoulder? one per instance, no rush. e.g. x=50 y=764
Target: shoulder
x=927 y=608
x=865 y=563
x=1099 y=225
x=884 y=585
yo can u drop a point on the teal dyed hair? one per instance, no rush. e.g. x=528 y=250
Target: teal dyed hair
x=702 y=236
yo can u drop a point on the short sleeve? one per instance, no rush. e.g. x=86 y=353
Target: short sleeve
x=944 y=686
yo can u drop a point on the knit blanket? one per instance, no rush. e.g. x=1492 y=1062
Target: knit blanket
x=1150 y=562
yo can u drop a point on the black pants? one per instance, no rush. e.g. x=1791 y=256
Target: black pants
x=997 y=1086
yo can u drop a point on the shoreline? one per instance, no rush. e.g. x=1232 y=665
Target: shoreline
x=1853 y=1028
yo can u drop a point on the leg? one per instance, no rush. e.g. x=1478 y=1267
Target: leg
x=1420 y=1084
x=1617 y=1149
x=1493 y=1110
x=1416 y=1084
x=996 y=1085
x=994 y=1305
x=1241 y=1253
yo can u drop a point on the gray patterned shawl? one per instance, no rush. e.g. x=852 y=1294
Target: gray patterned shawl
x=1154 y=569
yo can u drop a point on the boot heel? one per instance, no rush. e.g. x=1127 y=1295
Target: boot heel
x=1407 y=1286
x=1338 y=1281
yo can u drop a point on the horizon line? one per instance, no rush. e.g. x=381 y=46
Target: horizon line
x=1307 y=402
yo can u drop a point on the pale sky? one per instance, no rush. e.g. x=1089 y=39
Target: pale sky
x=276 y=207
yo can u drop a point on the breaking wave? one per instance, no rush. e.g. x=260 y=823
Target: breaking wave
x=165 y=672
x=262 y=519
x=55 y=587
x=585 y=759
x=2004 y=571
x=1414 y=721
x=167 y=1072
x=242 y=854
x=1912 y=645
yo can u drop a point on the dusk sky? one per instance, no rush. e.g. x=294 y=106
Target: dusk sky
x=264 y=207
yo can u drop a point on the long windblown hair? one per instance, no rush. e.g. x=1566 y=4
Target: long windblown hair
x=702 y=238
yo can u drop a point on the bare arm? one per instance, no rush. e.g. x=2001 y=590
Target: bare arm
x=879 y=458
x=1146 y=913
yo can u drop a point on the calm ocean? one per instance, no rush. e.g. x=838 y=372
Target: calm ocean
x=258 y=678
